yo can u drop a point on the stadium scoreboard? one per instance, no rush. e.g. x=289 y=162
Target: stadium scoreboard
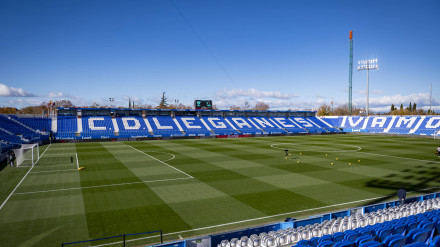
x=203 y=104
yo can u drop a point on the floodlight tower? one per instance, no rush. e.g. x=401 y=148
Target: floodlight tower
x=350 y=72
x=368 y=65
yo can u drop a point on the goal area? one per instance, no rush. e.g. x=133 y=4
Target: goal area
x=27 y=155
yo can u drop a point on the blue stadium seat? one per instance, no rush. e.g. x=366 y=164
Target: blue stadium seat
x=383 y=233
x=364 y=239
x=415 y=125
x=268 y=125
x=417 y=235
x=164 y=126
x=372 y=244
x=344 y=244
x=396 y=240
x=350 y=236
x=411 y=225
x=399 y=229
x=303 y=243
x=244 y=125
x=220 y=126
x=326 y=244
x=193 y=126
x=435 y=242
x=416 y=245
x=337 y=237
x=314 y=241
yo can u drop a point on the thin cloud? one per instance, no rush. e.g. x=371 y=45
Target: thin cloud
x=364 y=91
x=421 y=99
x=7 y=91
x=56 y=95
x=253 y=93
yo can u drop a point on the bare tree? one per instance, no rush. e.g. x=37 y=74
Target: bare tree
x=324 y=110
x=246 y=106
x=233 y=107
x=261 y=106
x=179 y=106
x=8 y=110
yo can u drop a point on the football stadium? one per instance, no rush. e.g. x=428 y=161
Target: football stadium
x=189 y=123
x=218 y=178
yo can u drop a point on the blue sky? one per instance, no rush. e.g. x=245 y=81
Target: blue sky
x=288 y=54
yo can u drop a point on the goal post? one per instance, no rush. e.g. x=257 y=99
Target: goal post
x=436 y=135
x=27 y=155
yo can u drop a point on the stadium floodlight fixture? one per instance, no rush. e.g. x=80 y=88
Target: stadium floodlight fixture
x=368 y=65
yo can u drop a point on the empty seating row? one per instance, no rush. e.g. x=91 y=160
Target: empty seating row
x=163 y=126
x=414 y=125
x=14 y=131
x=405 y=224
x=37 y=123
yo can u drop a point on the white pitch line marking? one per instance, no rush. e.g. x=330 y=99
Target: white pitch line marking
x=336 y=150
x=98 y=186
x=55 y=171
x=161 y=161
x=260 y=218
x=77 y=162
x=21 y=181
x=397 y=157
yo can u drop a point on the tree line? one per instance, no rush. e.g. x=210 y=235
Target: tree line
x=411 y=109
x=44 y=107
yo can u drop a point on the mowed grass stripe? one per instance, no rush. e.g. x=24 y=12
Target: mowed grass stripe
x=146 y=167
x=44 y=219
x=300 y=181
x=52 y=180
x=114 y=210
x=198 y=203
x=262 y=196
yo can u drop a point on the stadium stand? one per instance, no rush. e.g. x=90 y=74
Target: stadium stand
x=12 y=128
x=308 y=125
x=268 y=125
x=165 y=126
x=289 y=125
x=8 y=137
x=219 y=126
x=193 y=126
x=413 y=125
x=245 y=126
x=98 y=127
x=42 y=124
x=66 y=127
x=321 y=123
x=100 y=124
x=416 y=222
x=131 y=127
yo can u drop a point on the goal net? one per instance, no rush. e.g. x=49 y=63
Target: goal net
x=27 y=155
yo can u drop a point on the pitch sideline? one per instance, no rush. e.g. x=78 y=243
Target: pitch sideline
x=21 y=181
x=261 y=218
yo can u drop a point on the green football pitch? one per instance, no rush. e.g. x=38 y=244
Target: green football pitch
x=195 y=187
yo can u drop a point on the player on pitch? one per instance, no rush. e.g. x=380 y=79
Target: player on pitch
x=437 y=151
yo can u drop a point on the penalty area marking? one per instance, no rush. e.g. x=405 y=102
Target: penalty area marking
x=172 y=155
x=261 y=218
x=163 y=162
x=99 y=186
x=65 y=170
x=336 y=150
x=77 y=162
x=21 y=181
x=397 y=157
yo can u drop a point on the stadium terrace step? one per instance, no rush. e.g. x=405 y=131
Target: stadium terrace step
x=403 y=224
